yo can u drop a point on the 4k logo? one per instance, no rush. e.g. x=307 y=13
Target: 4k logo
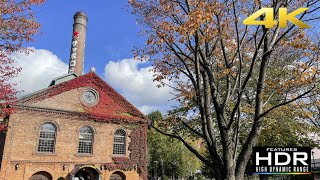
x=269 y=21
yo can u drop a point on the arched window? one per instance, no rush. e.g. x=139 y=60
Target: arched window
x=117 y=176
x=47 y=138
x=42 y=175
x=119 y=142
x=85 y=140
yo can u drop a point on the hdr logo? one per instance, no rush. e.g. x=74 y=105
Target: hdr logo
x=295 y=160
x=269 y=21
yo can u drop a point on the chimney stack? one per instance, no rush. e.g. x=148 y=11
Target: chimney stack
x=78 y=43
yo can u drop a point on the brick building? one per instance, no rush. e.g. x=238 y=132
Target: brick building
x=79 y=128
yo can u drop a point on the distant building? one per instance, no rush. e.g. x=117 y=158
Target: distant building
x=79 y=128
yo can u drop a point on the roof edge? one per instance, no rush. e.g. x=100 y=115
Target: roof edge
x=83 y=115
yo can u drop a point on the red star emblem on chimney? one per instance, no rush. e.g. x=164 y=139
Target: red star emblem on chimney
x=75 y=34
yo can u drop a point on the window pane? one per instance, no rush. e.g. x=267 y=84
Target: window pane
x=86 y=130
x=47 y=138
x=48 y=135
x=48 y=127
x=85 y=140
x=119 y=140
x=118 y=149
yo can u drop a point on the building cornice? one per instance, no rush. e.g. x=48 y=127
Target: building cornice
x=81 y=115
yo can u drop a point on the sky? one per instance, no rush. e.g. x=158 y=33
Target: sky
x=112 y=33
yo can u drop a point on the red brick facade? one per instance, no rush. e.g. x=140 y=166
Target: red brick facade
x=63 y=106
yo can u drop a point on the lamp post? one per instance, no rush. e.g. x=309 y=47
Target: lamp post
x=314 y=164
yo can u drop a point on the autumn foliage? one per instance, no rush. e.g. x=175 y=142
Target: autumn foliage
x=229 y=77
x=112 y=107
x=137 y=159
x=17 y=26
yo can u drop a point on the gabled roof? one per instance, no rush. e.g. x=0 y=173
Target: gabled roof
x=62 y=79
x=55 y=81
x=110 y=108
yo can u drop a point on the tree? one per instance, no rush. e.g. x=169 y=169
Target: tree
x=169 y=155
x=17 y=26
x=281 y=130
x=225 y=73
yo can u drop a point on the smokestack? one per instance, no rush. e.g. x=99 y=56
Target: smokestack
x=78 y=43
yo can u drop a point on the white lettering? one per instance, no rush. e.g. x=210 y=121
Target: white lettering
x=73 y=55
x=258 y=158
x=302 y=160
x=74 y=43
x=72 y=63
x=277 y=163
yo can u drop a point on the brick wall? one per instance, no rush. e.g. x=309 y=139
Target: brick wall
x=22 y=141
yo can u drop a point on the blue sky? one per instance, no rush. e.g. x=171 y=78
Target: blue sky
x=111 y=35
x=111 y=30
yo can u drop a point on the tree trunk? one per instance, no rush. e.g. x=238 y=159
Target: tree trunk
x=230 y=165
x=227 y=171
x=231 y=178
x=230 y=174
x=239 y=177
x=218 y=173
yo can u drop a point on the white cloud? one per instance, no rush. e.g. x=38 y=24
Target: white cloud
x=136 y=84
x=38 y=69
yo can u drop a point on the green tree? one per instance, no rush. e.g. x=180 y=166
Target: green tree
x=283 y=130
x=169 y=155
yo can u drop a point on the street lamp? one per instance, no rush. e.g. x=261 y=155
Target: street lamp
x=314 y=164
